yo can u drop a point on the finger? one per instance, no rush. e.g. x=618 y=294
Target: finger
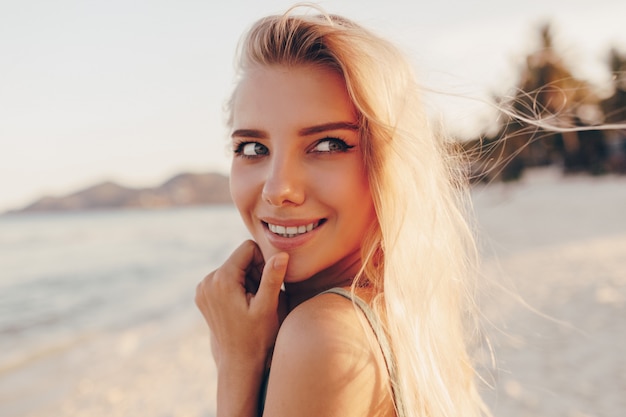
x=271 y=281
x=246 y=257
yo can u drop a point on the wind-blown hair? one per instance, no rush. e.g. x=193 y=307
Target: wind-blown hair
x=421 y=255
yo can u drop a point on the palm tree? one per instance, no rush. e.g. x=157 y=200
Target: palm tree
x=548 y=101
x=614 y=109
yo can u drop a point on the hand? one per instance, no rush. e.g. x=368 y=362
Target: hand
x=243 y=305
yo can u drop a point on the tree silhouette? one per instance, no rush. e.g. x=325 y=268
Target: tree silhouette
x=539 y=121
x=614 y=109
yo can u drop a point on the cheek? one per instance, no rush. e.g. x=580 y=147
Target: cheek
x=348 y=185
x=243 y=191
x=359 y=201
x=348 y=192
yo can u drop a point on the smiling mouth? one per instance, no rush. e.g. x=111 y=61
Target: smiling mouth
x=293 y=231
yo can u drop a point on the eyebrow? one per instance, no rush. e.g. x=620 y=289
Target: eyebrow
x=328 y=126
x=311 y=130
x=249 y=133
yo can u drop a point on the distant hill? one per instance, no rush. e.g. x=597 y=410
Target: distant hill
x=182 y=190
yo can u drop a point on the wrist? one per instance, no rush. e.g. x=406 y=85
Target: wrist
x=230 y=365
x=244 y=361
x=239 y=386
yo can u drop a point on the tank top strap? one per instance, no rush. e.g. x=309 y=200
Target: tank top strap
x=374 y=322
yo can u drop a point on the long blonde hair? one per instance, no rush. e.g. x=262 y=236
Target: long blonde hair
x=421 y=255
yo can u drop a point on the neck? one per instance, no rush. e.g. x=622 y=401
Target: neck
x=339 y=275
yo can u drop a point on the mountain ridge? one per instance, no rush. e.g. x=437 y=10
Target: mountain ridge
x=181 y=190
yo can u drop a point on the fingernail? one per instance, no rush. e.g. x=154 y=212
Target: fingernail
x=280 y=261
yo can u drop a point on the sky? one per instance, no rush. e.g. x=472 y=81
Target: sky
x=132 y=91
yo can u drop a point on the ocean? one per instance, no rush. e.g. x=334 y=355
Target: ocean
x=74 y=286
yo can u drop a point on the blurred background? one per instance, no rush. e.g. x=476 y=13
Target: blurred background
x=114 y=163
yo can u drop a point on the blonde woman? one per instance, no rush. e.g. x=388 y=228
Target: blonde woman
x=355 y=206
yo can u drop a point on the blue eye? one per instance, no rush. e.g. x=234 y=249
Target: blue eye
x=251 y=149
x=331 y=145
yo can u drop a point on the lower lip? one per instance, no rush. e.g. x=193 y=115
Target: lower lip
x=289 y=243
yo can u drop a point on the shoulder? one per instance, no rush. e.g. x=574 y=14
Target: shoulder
x=326 y=327
x=326 y=362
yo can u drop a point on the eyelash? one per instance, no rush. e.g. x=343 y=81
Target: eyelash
x=343 y=147
x=239 y=147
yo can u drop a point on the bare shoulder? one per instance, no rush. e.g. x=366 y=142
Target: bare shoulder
x=324 y=363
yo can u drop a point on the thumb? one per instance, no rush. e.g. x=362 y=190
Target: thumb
x=271 y=281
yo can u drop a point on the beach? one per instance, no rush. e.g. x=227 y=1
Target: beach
x=555 y=261
x=552 y=297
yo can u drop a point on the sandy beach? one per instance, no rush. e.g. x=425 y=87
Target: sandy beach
x=554 y=303
x=556 y=310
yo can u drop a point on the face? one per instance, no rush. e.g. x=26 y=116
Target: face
x=297 y=176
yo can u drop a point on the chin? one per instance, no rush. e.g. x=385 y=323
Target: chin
x=296 y=273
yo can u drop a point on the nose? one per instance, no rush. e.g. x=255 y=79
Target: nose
x=283 y=184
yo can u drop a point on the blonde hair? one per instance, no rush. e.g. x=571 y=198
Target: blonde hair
x=421 y=255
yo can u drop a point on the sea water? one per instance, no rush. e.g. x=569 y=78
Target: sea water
x=69 y=281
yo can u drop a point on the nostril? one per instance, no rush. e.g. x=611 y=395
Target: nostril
x=282 y=194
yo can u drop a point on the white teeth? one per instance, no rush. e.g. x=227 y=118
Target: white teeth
x=291 y=231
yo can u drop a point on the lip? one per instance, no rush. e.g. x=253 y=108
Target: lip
x=290 y=243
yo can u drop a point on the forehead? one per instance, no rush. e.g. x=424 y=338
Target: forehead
x=270 y=96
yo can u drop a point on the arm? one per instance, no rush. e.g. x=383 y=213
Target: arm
x=324 y=364
x=243 y=324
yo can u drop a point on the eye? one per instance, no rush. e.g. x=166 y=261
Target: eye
x=331 y=145
x=251 y=149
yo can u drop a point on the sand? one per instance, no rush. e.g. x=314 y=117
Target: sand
x=557 y=248
x=554 y=304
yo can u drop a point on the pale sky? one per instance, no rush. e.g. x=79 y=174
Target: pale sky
x=132 y=90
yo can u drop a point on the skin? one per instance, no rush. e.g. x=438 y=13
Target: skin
x=297 y=162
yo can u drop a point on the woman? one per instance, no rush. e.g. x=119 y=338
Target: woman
x=356 y=207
